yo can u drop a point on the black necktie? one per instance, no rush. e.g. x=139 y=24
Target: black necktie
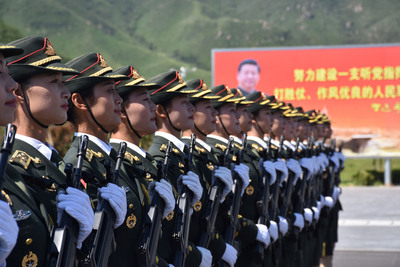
x=55 y=158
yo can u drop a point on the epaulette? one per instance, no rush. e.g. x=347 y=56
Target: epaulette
x=220 y=146
x=131 y=158
x=238 y=146
x=90 y=153
x=22 y=158
x=200 y=149
x=163 y=148
x=274 y=147
x=257 y=147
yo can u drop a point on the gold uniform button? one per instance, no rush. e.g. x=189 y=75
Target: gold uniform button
x=130 y=206
x=28 y=241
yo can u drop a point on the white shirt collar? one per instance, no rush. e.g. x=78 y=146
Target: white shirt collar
x=258 y=140
x=106 y=147
x=222 y=139
x=275 y=142
x=236 y=139
x=178 y=143
x=289 y=145
x=201 y=142
x=204 y=144
x=43 y=148
x=132 y=146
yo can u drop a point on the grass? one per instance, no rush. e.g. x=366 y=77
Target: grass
x=368 y=172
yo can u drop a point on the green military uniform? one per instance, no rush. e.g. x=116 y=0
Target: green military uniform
x=94 y=177
x=33 y=180
x=204 y=162
x=248 y=231
x=33 y=241
x=33 y=190
x=175 y=169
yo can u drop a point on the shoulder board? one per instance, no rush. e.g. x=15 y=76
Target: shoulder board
x=90 y=153
x=238 y=146
x=131 y=158
x=22 y=158
x=200 y=149
x=274 y=146
x=220 y=146
x=257 y=147
x=163 y=148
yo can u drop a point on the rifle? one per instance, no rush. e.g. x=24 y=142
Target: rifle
x=233 y=211
x=213 y=201
x=273 y=212
x=65 y=236
x=289 y=188
x=152 y=224
x=181 y=233
x=6 y=148
x=263 y=201
x=104 y=242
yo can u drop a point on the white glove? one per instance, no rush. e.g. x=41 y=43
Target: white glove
x=329 y=202
x=263 y=235
x=323 y=161
x=315 y=164
x=116 y=196
x=322 y=199
x=341 y=158
x=280 y=165
x=308 y=216
x=230 y=255
x=299 y=221
x=335 y=162
x=336 y=193
x=8 y=231
x=243 y=171
x=164 y=190
x=307 y=164
x=283 y=226
x=273 y=231
x=295 y=167
x=206 y=257
x=270 y=168
x=77 y=204
x=225 y=176
x=192 y=181
x=316 y=213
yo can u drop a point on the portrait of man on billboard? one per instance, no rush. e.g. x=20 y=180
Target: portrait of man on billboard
x=248 y=76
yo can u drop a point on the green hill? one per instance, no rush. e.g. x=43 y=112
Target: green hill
x=155 y=36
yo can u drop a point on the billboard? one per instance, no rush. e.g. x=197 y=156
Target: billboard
x=358 y=87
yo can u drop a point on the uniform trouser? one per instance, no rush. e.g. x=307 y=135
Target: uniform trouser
x=290 y=248
x=331 y=236
x=246 y=257
x=318 y=244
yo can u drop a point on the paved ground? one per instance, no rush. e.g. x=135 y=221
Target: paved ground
x=369 y=227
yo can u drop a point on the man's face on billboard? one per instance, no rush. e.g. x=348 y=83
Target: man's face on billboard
x=248 y=77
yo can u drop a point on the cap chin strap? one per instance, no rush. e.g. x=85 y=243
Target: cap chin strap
x=129 y=123
x=259 y=127
x=201 y=132
x=169 y=120
x=223 y=126
x=91 y=115
x=29 y=109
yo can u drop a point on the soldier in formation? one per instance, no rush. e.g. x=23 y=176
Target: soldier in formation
x=229 y=180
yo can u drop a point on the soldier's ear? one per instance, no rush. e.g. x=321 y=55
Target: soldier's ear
x=19 y=95
x=160 y=111
x=78 y=102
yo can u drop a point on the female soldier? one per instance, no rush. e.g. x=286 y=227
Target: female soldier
x=138 y=120
x=8 y=226
x=41 y=100
x=95 y=110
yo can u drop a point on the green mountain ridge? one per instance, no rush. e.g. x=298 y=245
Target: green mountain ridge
x=155 y=36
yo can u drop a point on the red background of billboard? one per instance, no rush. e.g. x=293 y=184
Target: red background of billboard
x=277 y=68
